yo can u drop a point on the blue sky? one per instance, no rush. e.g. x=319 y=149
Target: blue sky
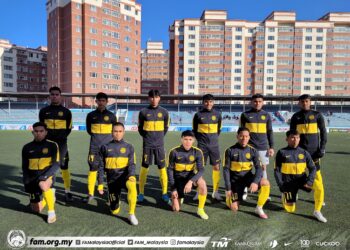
x=23 y=22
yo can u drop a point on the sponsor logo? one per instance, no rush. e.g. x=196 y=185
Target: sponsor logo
x=223 y=242
x=248 y=244
x=273 y=244
x=328 y=243
x=288 y=243
x=305 y=243
x=16 y=239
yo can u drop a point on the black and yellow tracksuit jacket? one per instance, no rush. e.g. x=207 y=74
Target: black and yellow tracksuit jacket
x=183 y=163
x=40 y=160
x=291 y=164
x=153 y=125
x=118 y=157
x=313 y=134
x=99 y=126
x=239 y=161
x=259 y=124
x=58 y=120
x=207 y=126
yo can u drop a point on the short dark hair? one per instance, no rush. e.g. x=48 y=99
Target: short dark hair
x=256 y=96
x=304 y=97
x=241 y=129
x=53 y=88
x=153 y=93
x=101 y=95
x=187 y=133
x=292 y=132
x=39 y=124
x=208 y=97
x=118 y=124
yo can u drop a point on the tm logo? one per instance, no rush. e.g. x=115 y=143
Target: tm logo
x=223 y=242
x=273 y=244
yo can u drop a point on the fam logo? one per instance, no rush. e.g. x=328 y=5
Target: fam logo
x=223 y=242
x=16 y=239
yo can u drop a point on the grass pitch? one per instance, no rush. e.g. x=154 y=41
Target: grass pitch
x=155 y=217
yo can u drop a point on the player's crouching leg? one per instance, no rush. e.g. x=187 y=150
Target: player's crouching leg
x=132 y=198
x=264 y=194
x=49 y=197
x=202 y=196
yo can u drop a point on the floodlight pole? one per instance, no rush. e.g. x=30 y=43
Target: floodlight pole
x=37 y=105
x=9 y=105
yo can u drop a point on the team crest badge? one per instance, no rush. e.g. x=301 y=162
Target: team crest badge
x=45 y=151
x=191 y=158
x=160 y=115
x=263 y=117
x=106 y=118
x=60 y=113
x=122 y=150
x=311 y=117
x=247 y=155
x=213 y=118
x=301 y=156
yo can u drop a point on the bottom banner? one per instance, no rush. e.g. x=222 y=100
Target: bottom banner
x=115 y=242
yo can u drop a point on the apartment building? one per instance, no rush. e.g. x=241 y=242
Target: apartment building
x=277 y=56
x=154 y=68
x=22 y=69
x=93 y=46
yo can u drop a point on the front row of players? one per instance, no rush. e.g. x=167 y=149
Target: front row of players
x=294 y=170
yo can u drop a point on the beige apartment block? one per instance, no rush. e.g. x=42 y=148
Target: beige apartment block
x=154 y=68
x=277 y=56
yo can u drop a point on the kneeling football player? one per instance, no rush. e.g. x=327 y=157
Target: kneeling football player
x=185 y=171
x=118 y=160
x=40 y=162
x=291 y=175
x=239 y=161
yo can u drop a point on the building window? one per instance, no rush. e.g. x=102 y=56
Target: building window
x=93 y=31
x=93 y=74
x=271 y=38
x=306 y=87
x=127 y=7
x=269 y=79
x=308 y=38
x=191 y=27
x=93 y=8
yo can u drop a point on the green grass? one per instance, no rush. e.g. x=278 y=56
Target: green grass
x=156 y=219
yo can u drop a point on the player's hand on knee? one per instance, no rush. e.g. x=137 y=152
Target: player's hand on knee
x=271 y=152
x=188 y=187
x=174 y=195
x=36 y=207
x=228 y=194
x=307 y=187
x=253 y=187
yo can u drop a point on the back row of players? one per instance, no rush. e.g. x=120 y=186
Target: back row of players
x=297 y=166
